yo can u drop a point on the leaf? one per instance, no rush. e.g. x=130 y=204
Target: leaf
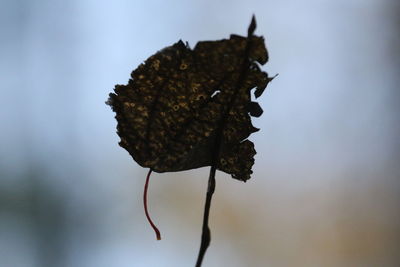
x=187 y=108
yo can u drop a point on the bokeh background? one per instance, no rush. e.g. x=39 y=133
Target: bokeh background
x=325 y=189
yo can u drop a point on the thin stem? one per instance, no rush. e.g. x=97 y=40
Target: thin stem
x=146 y=185
x=206 y=235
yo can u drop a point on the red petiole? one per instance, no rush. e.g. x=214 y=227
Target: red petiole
x=146 y=185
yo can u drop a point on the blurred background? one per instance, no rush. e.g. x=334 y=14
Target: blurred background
x=325 y=189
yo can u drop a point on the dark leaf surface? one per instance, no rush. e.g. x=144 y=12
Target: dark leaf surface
x=187 y=108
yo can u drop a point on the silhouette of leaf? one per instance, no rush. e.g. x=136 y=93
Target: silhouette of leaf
x=187 y=108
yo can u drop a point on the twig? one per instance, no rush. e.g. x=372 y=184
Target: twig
x=206 y=236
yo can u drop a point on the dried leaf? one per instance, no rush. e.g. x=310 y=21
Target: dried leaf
x=188 y=108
